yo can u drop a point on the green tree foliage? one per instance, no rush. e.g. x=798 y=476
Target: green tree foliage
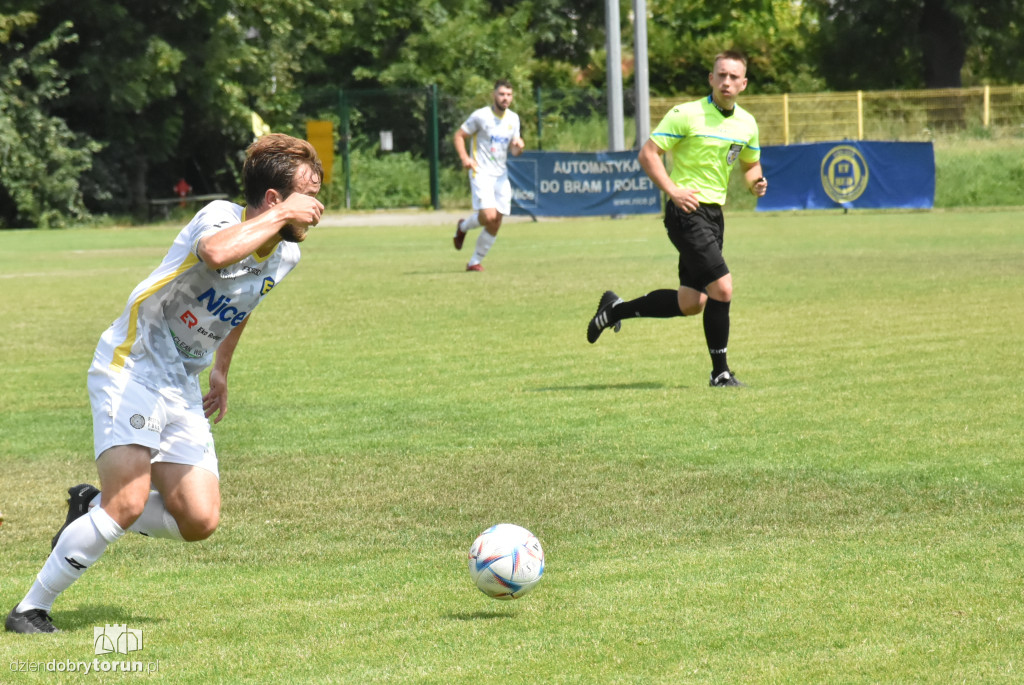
x=561 y=33
x=41 y=159
x=168 y=87
x=884 y=44
x=685 y=35
x=499 y=48
x=460 y=45
x=995 y=54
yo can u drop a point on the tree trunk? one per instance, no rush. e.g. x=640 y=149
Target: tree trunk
x=943 y=43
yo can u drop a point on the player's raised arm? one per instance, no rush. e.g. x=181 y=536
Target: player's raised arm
x=237 y=242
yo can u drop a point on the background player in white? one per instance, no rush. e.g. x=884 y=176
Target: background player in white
x=495 y=135
x=150 y=419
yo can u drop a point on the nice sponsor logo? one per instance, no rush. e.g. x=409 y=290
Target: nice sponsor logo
x=108 y=640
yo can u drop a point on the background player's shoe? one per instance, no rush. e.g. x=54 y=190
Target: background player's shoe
x=460 y=236
x=474 y=267
x=600 y=320
x=78 y=505
x=31 y=621
x=725 y=380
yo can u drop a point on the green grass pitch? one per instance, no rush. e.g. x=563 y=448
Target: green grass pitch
x=855 y=515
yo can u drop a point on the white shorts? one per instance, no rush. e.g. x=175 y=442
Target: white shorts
x=491 y=192
x=124 y=412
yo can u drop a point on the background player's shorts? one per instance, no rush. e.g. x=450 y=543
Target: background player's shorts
x=125 y=412
x=698 y=236
x=491 y=192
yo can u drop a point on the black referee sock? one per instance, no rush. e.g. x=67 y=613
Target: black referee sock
x=659 y=304
x=716 y=332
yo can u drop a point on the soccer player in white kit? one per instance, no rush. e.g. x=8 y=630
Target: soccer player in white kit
x=495 y=135
x=154 y=448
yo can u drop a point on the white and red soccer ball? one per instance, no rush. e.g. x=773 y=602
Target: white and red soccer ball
x=506 y=561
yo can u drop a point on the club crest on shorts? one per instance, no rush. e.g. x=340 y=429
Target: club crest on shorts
x=734 y=153
x=137 y=421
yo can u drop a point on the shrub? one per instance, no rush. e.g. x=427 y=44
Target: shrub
x=41 y=159
x=392 y=179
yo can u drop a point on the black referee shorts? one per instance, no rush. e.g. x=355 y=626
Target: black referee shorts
x=698 y=237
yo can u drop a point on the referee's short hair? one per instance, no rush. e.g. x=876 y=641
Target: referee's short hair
x=730 y=54
x=502 y=83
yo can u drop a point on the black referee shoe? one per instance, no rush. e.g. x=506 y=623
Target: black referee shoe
x=725 y=380
x=600 y=320
x=31 y=621
x=79 y=497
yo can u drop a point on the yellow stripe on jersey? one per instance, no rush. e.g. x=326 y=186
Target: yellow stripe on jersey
x=122 y=350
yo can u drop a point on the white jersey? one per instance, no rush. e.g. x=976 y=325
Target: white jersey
x=177 y=317
x=491 y=137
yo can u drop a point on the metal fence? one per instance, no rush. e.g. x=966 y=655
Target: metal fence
x=419 y=123
x=905 y=115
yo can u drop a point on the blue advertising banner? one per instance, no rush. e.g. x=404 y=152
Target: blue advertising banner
x=849 y=174
x=581 y=184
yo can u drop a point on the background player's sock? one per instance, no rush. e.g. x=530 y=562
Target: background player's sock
x=716 y=332
x=470 y=222
x=80 y=545
x=483 y=246
x=658 y=304
x=155 y=521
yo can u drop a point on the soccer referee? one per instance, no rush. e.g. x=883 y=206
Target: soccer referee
x=706 y=138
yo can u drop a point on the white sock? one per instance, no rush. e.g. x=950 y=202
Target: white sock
x=483 y=245
x=79 y=547
x=470 y=222
x=155 y=521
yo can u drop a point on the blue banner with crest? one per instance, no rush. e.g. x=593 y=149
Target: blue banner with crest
x=848 y=174
x=581 y=184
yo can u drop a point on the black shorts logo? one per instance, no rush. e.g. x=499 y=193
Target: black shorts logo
x=137 y=421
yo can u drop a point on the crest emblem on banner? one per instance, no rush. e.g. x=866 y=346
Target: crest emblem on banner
x=844 y=173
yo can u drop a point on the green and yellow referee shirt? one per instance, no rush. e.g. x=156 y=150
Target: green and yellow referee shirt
x=705 y=143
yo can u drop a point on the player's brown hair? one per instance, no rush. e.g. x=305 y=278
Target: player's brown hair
x=729 y=54
x=272 y=162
